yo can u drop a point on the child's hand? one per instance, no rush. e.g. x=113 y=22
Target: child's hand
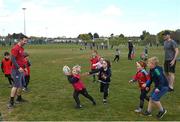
x=85 y=74
x=131 y=81
x=156 y=90
x=104 y=77
x=144 y=85
x=67 y=73
x=147 y=88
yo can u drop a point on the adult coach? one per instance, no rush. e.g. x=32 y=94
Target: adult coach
x=171 y=53
x=130 y=47
x=18 y=68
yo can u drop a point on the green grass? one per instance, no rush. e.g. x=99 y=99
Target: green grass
x=51 y=94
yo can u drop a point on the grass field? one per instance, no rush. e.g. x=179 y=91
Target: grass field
x=50 y=97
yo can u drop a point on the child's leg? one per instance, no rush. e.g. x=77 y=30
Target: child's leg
x=158 y=104
x=27 y=78
x=85 y=94
x=76 y=97
x=101 y=87
x=9 y=79
x=150 y=105
x=94 y=76
x=117 y=58
x=106 y=90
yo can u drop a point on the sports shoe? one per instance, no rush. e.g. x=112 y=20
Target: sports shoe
x=170 y=90
x=78 y=106
x=25 y=89
x=10 y=105
x=146 y=113
x=104 y=101
x=138 y=110
x=21 y=101
x=161 y=114
x=94 y=103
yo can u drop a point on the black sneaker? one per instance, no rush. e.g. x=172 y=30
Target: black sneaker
x=161 y=114
x=21 y=101
x=146 y=113
x=94 y=103
x=10 y=106
x=170 y=90
x=78 y=106
x=104 y=101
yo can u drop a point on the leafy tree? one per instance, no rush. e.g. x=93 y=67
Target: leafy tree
x=96 y=35
x=90 y=34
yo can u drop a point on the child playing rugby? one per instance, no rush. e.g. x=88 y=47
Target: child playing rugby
x=79 y=88
x=104 y=77
x=142 y=77
x=160 y=87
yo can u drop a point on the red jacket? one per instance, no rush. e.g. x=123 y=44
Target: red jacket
x=142 y=77
x=6 y=66
x=78 y=85
x=94 y=61
x=27 y=63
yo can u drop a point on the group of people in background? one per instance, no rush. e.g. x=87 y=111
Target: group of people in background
x=16 y=67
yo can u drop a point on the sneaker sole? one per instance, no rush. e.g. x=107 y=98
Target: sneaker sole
x=163 y=114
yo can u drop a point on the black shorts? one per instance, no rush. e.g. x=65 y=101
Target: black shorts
x=168 y=68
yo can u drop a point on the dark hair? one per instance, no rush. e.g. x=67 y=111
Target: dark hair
x=21 y=36
x=108 y=63
x=6 y=53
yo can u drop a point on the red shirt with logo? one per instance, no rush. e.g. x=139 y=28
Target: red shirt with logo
x=18 y=52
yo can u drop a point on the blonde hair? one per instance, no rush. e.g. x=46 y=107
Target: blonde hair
x=76 y=69
x=153 y=60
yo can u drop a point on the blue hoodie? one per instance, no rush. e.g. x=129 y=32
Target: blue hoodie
x=158 y=77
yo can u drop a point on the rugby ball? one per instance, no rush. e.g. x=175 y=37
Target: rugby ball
x=66 y=69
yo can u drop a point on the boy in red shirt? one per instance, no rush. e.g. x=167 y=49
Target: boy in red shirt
x=142 y=77
x=6 y=66
x=94 y=60
x=27 y=71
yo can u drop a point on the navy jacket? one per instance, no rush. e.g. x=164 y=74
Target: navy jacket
x=157 y=76
x=102 y=72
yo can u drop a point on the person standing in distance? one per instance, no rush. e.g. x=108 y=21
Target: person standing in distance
x=18 y=67
x=171 y=53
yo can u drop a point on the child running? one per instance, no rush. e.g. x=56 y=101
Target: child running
x=6 y=66
x=79 y=88
x=104 y=77
x=142 y=77
x=117 y=55
x=160 y=87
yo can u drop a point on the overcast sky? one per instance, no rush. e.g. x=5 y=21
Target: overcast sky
x=69 y=18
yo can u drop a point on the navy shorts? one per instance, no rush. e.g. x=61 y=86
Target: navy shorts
x=18 y=78
x=157 y=96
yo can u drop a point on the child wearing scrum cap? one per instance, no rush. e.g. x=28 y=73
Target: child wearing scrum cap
x=160 y=87
x=79 y=88
x=141 y=77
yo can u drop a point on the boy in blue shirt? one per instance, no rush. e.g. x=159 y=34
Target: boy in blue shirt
x=160 y=87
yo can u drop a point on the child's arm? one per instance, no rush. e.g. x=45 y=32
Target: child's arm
x=93 y=72
x=72 y=79
x=2 y=67
x=159 y=78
